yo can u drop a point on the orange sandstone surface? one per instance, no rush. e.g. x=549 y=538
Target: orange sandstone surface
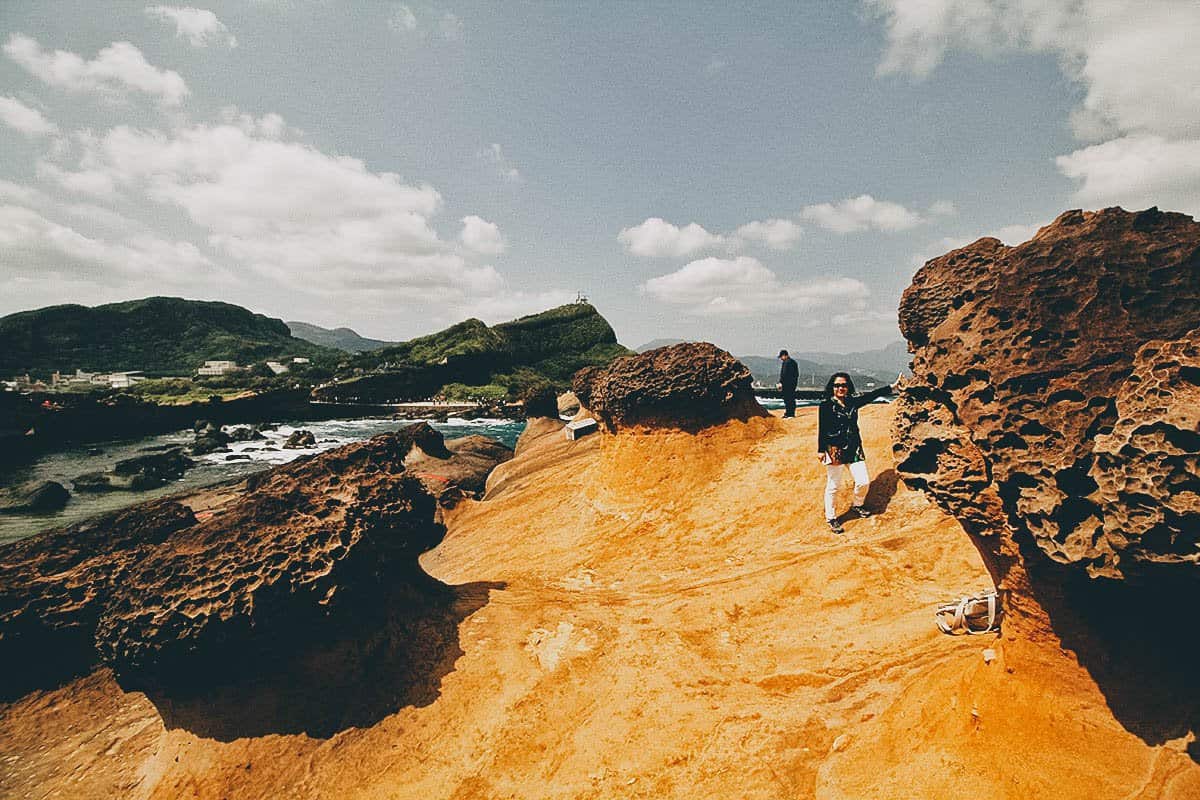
x=659 y=614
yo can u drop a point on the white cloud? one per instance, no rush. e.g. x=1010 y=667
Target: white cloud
x=118 y=68
x=507 y=304
x=24 y=119
x=864 y=317
x=97 y=183
x=1135 y=59
x=39 y=247
x=778 y=234
x=741 y=285
x=451 y=27
x=657 y=238
x=494 y=157
x=293 y=214
x=481 y=236
x=1137 y=172
x=1011 y=235
x=861 y=213
x=1014 y=235
x=402 y=19
x=199 y=26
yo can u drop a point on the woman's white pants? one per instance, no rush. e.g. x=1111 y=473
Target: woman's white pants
x=862 y=481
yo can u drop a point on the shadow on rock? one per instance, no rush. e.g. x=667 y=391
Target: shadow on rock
x=377 y=664
x=883 y=489
x=1138 y=644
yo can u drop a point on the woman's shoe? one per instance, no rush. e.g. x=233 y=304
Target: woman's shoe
x=861 y=511
x=835 y=526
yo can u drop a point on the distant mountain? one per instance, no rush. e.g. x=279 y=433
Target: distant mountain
x=338 y=338
x=541 y=349
x=654 y=344
x=887 y=362
x=156 y=335
x=816 y=367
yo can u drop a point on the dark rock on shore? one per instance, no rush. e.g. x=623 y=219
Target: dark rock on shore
x=454 y=469
x=541 y=403
x=209 y=439
x=300 y=440
x=34 y=498
x=686 y=386
x=54 y=587
x=245 y=434
x=165 y=599
x=138 y=473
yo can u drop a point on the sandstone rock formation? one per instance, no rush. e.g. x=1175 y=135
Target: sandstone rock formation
x=686 y=386
x=454 y=469
x=165 y=598
x=1055 y=412
x=1061 y=378
x=568 y=404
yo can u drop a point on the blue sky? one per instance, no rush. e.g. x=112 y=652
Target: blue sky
x=755 y=177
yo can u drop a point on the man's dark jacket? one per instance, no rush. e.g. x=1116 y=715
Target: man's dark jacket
x=789 y=374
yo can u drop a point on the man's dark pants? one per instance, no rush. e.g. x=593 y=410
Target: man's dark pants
x=789 y=401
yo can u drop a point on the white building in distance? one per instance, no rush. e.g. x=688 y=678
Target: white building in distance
x=218 y=368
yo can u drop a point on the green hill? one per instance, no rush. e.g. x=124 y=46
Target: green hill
x=543 y=349
x=157 y=335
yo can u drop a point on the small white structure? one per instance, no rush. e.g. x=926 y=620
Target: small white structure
x=276 y=367
x=123 y=380
x=299 y=360
x=579 y=428
x=217 y=368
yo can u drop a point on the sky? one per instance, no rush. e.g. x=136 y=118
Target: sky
x=759 y=177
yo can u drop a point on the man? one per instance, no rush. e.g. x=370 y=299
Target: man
x=789 y=375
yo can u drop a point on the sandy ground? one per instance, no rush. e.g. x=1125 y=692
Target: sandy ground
x=663 y=615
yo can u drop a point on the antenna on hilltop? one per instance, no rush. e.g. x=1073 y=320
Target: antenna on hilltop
x=580 y=298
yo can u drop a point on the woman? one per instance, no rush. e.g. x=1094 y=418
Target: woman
x=839 y=442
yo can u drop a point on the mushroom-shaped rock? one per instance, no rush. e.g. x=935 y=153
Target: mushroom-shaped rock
x=1055 y=411
x=686 y=386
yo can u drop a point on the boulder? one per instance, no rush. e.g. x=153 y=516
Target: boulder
x=245 y=434
x=138 y=473
x=1056 y=389
x=35 y=497
x=300 y=440
x=541 y=403
x=165 y=599
x=568 y=404
x=686 y=386
x=209 y=439
x=455 y=468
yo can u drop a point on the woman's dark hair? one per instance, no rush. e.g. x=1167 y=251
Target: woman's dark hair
x=834 y=377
